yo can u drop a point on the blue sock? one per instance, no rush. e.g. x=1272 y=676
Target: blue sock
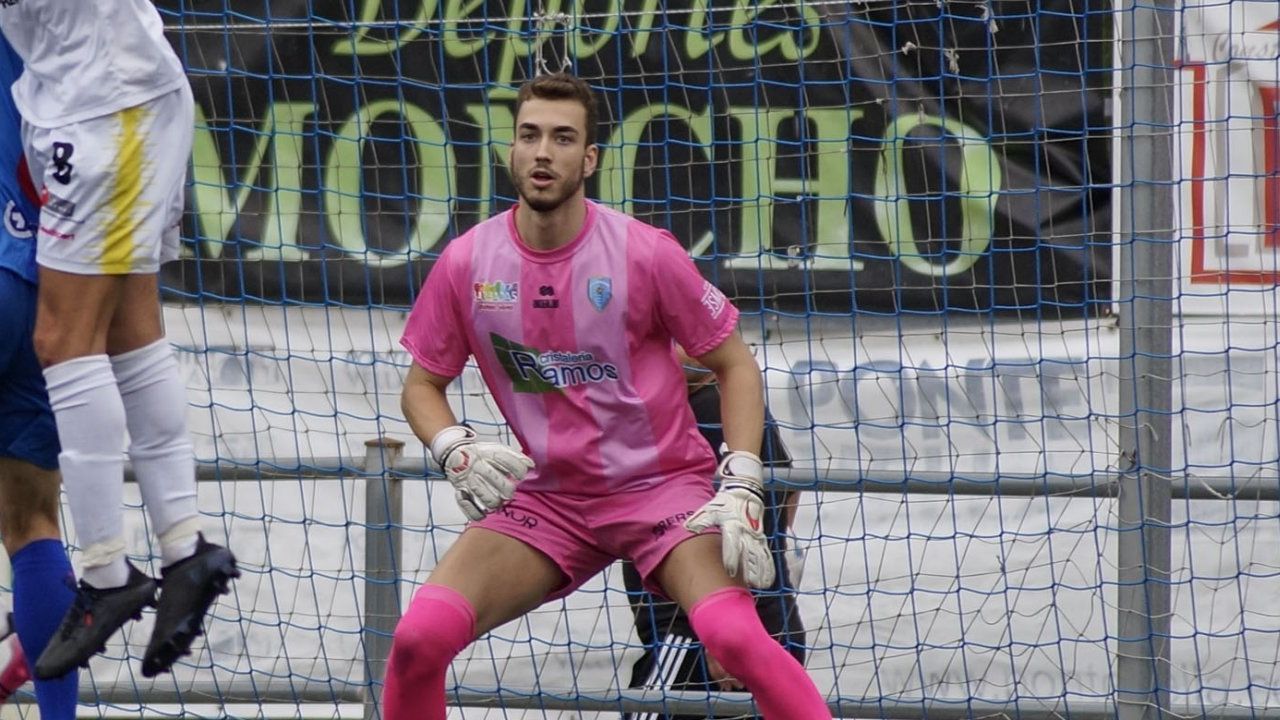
x=41 y=596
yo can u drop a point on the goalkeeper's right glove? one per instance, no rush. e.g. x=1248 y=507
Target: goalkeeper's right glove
x=484 y=475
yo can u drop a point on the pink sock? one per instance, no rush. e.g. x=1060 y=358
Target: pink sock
x=727 y=624
x=440 y=622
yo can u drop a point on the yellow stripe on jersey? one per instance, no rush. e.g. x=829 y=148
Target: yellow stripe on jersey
x=123 y=203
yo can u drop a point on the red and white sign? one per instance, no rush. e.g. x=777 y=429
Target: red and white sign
x=1229 y=156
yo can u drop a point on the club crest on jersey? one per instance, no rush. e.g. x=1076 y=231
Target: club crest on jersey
x=600 y=291
x=496 y=294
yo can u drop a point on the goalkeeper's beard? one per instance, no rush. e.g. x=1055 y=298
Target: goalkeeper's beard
x=545 y=201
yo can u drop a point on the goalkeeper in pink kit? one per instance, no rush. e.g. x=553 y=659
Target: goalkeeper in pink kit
x=572 y=312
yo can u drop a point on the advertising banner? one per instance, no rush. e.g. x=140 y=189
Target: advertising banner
x=880 y=157
x=1229 y=155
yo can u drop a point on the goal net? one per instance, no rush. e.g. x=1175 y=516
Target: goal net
x=911 y=202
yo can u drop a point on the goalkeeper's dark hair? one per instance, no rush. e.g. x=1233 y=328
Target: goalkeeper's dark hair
x=563 y=86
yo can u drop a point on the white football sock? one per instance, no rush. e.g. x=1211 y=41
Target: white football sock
x=155 y=407
x=90 y=418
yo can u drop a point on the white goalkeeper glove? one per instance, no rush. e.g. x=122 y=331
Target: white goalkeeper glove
x=484 y=475
x=738 y=510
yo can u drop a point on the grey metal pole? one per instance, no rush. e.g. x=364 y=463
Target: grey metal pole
x=1147 y=246
x=1261 y=484
x=384 y=515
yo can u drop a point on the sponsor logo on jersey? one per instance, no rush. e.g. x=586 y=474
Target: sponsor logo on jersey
x=548 y=300
x=667 y=523
x=528 y=520
x=57 y=205
x=15 y=223
x=496 y=294
x=541 y=371
x=712 y=299
x=56 y=234
x=8 y=3
x=600 y=291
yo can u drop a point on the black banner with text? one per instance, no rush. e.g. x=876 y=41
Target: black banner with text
x=878 y=156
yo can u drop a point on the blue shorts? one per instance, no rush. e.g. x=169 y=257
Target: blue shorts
x=27 y=430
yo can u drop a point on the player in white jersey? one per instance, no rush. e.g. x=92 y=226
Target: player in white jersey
x=107 y=129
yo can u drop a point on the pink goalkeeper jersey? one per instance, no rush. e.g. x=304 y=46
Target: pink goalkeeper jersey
x=576 y=345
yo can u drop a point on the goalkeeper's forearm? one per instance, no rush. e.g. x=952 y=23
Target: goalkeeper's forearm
x=742 y=408
x=741 y=393
x=425 y=405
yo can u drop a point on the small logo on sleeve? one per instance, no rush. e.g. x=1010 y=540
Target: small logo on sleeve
x=712 y=299
x=600 y=291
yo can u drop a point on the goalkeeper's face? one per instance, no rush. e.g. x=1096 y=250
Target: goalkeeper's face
x=550 y=158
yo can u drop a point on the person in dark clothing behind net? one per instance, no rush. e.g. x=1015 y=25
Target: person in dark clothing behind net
x=673 y=658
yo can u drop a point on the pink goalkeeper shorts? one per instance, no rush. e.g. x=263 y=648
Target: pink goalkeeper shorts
x=583 y=534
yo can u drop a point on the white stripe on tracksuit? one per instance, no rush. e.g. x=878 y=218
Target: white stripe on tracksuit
x=671 y=657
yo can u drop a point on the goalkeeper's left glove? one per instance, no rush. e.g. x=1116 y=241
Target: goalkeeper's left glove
x=738 y=510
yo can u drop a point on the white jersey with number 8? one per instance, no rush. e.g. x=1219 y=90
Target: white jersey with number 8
x=87 y=58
